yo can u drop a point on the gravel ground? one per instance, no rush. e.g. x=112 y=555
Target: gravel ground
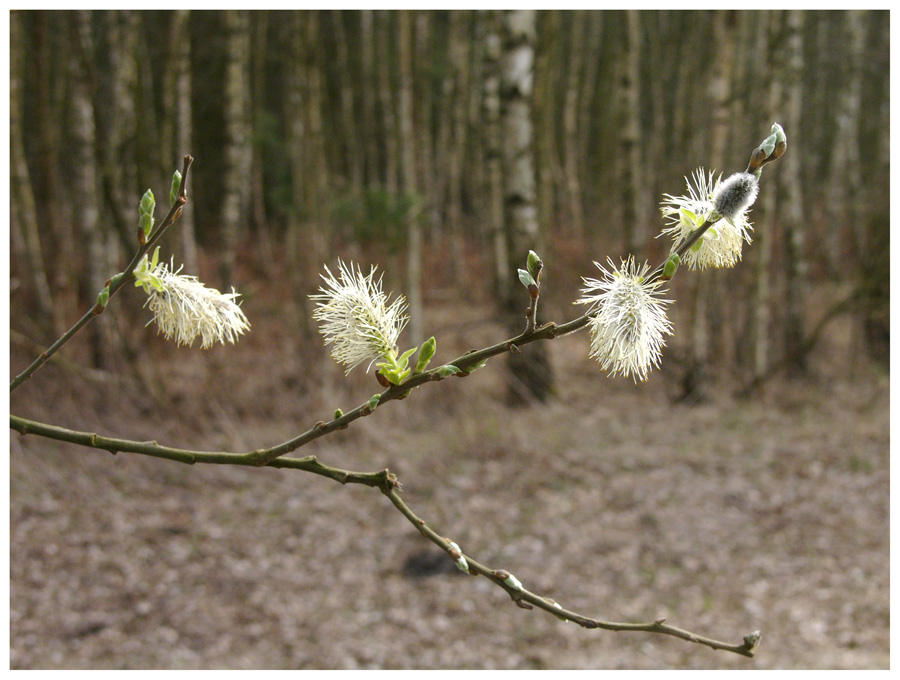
x=726 y=517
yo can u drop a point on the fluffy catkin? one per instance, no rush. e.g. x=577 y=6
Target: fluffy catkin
x=735 y=194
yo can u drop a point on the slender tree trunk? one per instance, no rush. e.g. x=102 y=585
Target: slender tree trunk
x=184 y=130
x=259 y=39
x=352 y=157
x=845 y=181
x=586 y=107
x=429 y=167
x=720 y=317
x=570 y=122
x=408 y=168
x=86 y=200
x=633 y=199
x=114 y=88
x=460 y=70
x=370 y=134
x=24 y=210
x=763 y=237
x=530 y=372
x=550 y=176
x=237 y=153
x=790 y=175
x=48 y=187
x=493 y=152
x=386 y=100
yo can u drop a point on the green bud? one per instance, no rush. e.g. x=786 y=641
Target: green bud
x=447 y=370
x=671 y=266
x=425 y=353
x=146 y=224
x=148 y=205
x=115 y=279
x=338 y=413
x=176 y=187
x=513 y=582
x=534 y=265
x=526 y=278
x=778 y=131
x=148 y=202
x=103 y=297
x=373 y=402
x=780 y=140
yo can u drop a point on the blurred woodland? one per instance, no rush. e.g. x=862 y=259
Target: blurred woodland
x=442 y=146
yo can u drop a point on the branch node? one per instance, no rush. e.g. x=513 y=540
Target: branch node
x=320 y=425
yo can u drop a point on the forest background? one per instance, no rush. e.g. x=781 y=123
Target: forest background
x=417 y=141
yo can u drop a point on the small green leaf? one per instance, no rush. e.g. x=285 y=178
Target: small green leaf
x=404 y=358
x=697 y=246
x=526 y=278
x=373 y=402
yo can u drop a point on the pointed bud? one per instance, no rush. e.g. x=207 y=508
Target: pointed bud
x=780 y=140
x=534 y=265
x=146 y=208
x=447 y=371
x=671 y=266
x=176 y=187
x=426 y=352
x=103 y=298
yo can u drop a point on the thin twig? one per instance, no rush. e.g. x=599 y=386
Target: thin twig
x=387 y=482
x=114 y=285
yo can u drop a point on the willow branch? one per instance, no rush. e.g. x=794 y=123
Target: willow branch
x=387 y=483
x=114 y=284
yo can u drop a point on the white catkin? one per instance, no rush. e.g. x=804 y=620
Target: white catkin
x=735 y=194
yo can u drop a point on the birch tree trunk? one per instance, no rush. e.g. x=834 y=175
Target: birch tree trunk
x=530 y=372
